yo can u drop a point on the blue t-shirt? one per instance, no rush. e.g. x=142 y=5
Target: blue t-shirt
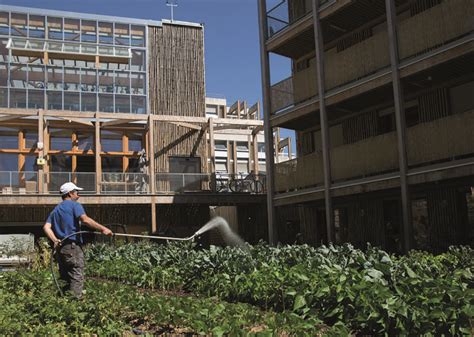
x=65 y=219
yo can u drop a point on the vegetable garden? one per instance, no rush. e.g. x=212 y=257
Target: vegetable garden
x=259 y=290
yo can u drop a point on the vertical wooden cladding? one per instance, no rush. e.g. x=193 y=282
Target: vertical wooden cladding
x=177 y=87
x=176 y=65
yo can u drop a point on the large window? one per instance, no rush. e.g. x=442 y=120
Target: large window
x=60 y=139
x=8 y=138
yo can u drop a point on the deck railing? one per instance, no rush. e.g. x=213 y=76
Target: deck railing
x=14 y=182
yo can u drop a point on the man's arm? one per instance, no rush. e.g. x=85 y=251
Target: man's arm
x=95 y=225
x=50 y=234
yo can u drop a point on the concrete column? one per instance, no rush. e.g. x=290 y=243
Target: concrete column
x=401 y=124
x=269 y=146
x=319 y=46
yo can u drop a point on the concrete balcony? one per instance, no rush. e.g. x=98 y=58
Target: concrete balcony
x=442 y=140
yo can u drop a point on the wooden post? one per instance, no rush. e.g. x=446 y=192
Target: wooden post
x=234 y=154
x=98 y=163
x=46 y=147
x=153 y=215
x=269 y=150
x=21 y=158
x=125 y=160
x=290 y=155
x=212 y=146
x=151 y=154
x=151 y=170
x=401 y=125
x=75 y=148
x=319 y=46
x=41 y=151
x=255 y=152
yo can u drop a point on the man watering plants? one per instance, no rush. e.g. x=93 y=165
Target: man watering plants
x=62 y=222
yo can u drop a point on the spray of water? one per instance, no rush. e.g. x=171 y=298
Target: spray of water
x=228 y=235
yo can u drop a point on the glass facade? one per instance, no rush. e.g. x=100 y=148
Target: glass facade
x=70 y=63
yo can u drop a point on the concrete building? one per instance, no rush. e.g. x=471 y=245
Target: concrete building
x=381 y=100
x=116 y=105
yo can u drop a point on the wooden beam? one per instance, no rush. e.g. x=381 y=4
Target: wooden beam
x=233 y=121
x=187 y=125
x=257 y=130
x=76 y=120
x=8 y=118
x=98 y=163
x=114 y=122
x=253 y=110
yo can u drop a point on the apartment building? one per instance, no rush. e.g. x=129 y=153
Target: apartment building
x=116 y=105
x=381 y=100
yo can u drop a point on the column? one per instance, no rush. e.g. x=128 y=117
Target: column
x=269 y=146
x=318 y=41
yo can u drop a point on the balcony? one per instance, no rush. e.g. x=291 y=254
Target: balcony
x=438 y=141
x=112 y=183
x=434 y=27
x=67 y=50
x=294 y=90
x=441 y=140
x=299 y=173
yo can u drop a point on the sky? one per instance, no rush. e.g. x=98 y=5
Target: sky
x=232 y=50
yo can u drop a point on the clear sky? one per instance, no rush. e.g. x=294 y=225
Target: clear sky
x=231 y=36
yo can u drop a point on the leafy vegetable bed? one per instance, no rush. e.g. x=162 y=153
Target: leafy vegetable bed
x=29 y=305
x=368 y=292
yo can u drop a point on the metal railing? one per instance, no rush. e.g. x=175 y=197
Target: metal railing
x=182 y=182
x=41 y=45
x=15 y=182
x=125 y=183
x=54 y=180
x=239 y=183
x=286 y=13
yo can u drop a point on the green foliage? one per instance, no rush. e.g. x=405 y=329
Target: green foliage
x=370 y=291
x=29 y=305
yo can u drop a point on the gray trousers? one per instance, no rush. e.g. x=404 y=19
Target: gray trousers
x=71 y=268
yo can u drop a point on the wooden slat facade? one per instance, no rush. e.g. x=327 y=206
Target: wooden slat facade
x=177 y=87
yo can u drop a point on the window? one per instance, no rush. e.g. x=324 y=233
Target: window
x=386 y=120
x=8 y=138
x=138 y=105
x=135 y=142
x=211 y=109
x=243 y=146
x=221 y=145
x=19 y=24
x=462 y=98
x=31 y=139
x=412 y=113
x=122 y=103
x=85 y=142
x=36 y=26
x=106 y=35
x=89 y=31
x=138 y=36
x=112 y=164
x=71 y=30
x=60 y=139
x=122 y=34
x=55 y=28
x=4 y=23
x=261 y=147
x=111 y=141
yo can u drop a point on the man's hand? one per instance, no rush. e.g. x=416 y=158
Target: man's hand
x=107 y=231
x=56 y=243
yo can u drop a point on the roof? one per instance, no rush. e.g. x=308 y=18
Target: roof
x=109 y=18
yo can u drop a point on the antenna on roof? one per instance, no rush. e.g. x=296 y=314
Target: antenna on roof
x=172 y=4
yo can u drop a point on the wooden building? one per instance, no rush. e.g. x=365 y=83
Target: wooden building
x=116 y=105
x=381 y=100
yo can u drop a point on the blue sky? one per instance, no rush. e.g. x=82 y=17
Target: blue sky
x=231 y=36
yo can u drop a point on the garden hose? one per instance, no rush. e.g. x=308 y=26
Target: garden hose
x=58 y=246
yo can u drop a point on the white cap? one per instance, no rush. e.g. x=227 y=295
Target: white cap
x=68 y=187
